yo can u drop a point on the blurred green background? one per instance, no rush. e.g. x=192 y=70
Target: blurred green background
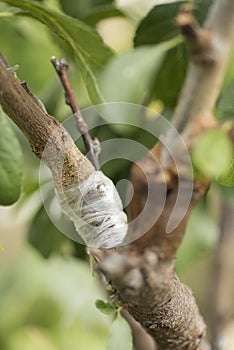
x=47 y=290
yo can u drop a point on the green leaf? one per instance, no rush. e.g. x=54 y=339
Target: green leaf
x=158 y=25
x=43 y=235
x=129 y=77
x=171 y=76
x=11 y=164
x=225 y=106
x=121 y=335
x=109 y=288
x=227 y=178
x=13 y=69
x=212 y=153
x=90 y=52
x=105 y=307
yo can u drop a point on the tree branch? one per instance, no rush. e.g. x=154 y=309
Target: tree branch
x=144 y=273
x=61 y=67
x=43 y=130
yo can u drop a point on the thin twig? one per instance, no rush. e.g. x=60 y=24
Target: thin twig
x=61 y=66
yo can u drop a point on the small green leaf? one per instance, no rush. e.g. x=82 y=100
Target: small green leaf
x=227 y=178
x=225 y=106
x=11 y=164
x=105 y=307
x=13 y=69
x=109 y=288
x=90 y=52
x=121 y=335
x=212 y=153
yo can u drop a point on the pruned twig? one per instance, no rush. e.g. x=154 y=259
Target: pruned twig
x=61 y=66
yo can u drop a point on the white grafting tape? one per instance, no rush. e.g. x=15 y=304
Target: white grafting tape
x=96 y=209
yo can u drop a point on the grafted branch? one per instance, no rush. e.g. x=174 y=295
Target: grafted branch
x=143 y=272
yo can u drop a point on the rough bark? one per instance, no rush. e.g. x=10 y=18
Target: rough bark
x=146 y=279
x=44 y=133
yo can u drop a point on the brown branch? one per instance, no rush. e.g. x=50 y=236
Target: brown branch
x=61 y=67
x=153 y=295
x=144 y=273
x=43 y=131
x=221 y=293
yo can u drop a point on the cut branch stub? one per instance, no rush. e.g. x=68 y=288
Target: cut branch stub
x=198 y=40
